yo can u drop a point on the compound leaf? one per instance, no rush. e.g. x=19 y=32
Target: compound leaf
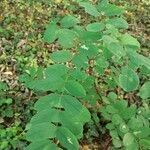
x=55 y=109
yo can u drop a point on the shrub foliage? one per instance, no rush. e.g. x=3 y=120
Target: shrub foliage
x=92 y=62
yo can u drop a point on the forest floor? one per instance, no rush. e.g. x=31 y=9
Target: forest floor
x=21 y=28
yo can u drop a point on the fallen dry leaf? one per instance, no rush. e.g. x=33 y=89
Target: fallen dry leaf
x=21 y=43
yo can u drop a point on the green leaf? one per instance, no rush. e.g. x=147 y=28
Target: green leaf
x=108 y=39
x=103 y=3
x=120 y=105
x=116 y=49
x=57 y=70
x=114 y=134
x=145 y=90
x=112 y=96
x=111 y=109
x=50 y=35
x=5 y=101
x=128 y=79
x=78 y=74
x=102 y=62
x=110 y=9
x=42 y=145
x=87 y=35
x=90 y=36
x=51 y=81
x=73 y=116
x=127 y=39
x=116 y=119
x=137 y=59
x=135 y=123
x=144 y=132
x=55 y=109
x=144 y=61
x=95 y=27
x=67 y=38
x=61 y=56
x=69 y=21
x=123 y=128
x=75 y=88
x=90 y=9
x=69 y=103
x=89 y=50
x=3 y=86
x=42 y=131
x=8 y=112
x=145 y=143
x=80 y=61
x=68 y=119
x=129 y=112
x=128 y=139
x=67 y=139
x=110 y=126
x=118 y=23
x=117 y=143
x=50 y=84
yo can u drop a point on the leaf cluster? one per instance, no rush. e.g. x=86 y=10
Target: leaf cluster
x=88 y=55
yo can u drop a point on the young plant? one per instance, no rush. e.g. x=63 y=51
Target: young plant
x=11 y=137
x=5 y=103
x=129 y=125
x=91 y=59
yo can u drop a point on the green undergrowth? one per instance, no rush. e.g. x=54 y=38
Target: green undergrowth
x=92 y=61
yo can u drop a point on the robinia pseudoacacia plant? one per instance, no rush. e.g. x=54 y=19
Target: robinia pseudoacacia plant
x=90 y=59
